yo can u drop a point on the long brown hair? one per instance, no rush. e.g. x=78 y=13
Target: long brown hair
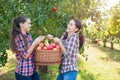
x=81 y=37
x=15 y=30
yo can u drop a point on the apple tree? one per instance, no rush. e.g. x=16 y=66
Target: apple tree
x=114 y=25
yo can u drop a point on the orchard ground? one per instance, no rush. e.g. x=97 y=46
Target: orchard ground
x=102 y=64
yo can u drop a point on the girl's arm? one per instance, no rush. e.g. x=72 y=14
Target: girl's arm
x=35 y=42
x=72 y=46
x=57 y=40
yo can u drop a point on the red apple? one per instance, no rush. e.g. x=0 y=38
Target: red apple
x=44 y=48
x=41 y=45
x=54 y=9
x=53 y=44
x=49 y=47
x=96 y=41
x=57 y=47
x=39 y=48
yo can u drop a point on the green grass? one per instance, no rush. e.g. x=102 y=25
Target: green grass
x=102 y=64
x=51 y=74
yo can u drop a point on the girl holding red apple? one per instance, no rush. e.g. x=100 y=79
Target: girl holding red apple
x=71 y=41
x=22 y=45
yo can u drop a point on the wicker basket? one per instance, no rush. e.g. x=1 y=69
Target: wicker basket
x=47 y=57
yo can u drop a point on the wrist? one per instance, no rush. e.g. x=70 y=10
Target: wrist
x=60 y=43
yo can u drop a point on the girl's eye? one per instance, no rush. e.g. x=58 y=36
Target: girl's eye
x=29 y=23
x=70 y=24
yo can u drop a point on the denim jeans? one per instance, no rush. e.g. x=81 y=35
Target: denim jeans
x=35 y=76
x=70 y=75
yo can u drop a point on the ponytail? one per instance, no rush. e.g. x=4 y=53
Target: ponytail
x=65 y=35
x=81 y=39
x=15 y=30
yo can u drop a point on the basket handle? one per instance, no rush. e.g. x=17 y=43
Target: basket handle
x=49 y=36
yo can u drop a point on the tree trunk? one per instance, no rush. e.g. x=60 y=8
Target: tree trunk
x=112 y=47
x=43 y=69
x=104 y=41
x=112 y=42
x=104 y=44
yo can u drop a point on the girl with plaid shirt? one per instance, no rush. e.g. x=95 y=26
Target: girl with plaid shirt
x=71 y=41
x=23 y=47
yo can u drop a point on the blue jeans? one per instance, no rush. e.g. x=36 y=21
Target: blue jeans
x=70 y=75
x=35 y=76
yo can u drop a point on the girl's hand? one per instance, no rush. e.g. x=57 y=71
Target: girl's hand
x=38 y=40
x=41 y=38
x=49 y=36
x=57 y=40
x=35 y=42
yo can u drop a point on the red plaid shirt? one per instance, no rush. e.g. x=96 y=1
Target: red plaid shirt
x=69 y=58
x=24 y=67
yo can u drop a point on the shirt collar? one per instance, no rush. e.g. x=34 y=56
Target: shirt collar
x=25 y=34
x=72 y=35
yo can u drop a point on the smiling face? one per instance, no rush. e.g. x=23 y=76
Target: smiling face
x=71 y=27
x=25 y=27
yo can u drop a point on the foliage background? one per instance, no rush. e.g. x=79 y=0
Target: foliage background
x=44 y=20
x=106 y=27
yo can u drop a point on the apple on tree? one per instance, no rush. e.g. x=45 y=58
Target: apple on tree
x=96 y=41
x=54 y=9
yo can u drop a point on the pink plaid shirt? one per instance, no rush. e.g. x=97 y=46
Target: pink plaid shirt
x=69 y=58
x=24 y=67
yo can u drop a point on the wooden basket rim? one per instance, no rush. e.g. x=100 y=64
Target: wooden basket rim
x=48 y=51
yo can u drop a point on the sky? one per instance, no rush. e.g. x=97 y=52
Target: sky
x=110 y=3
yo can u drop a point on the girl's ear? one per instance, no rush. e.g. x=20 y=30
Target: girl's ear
x=76 y=29
x=21 y=24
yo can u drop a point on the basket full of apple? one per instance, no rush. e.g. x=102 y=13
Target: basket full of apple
x=47 y=53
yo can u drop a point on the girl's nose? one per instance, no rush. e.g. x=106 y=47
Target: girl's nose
x=30 y=25
x=67 y=25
